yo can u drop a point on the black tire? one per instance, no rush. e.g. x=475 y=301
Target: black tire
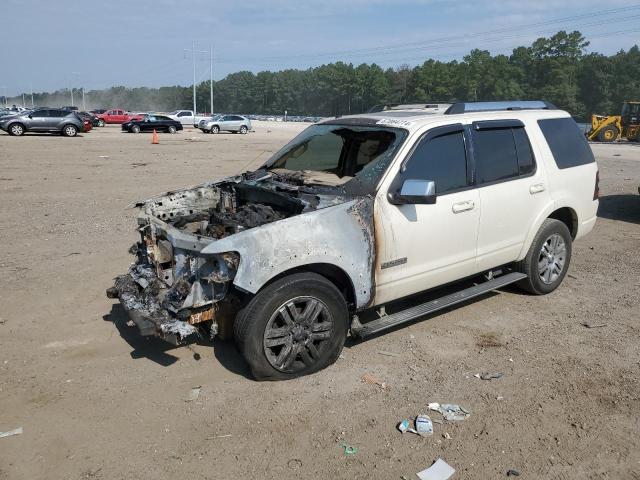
x=101 y=122
x=69 y=130
x=532 y=264
x=135 y=129
x=243 y=129
x=16 y=129
x=171 y=129
x=214 y=129
x=298 y=349
x=608 y=134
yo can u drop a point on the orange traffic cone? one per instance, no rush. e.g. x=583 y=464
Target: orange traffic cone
x=154 y=139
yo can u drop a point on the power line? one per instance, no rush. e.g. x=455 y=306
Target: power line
x=444 y=40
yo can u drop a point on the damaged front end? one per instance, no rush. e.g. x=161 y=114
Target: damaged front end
x=175 y=289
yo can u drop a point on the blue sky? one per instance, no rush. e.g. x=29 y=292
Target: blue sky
x=96 y=43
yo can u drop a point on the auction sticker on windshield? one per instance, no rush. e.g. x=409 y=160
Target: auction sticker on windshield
x=394 y=122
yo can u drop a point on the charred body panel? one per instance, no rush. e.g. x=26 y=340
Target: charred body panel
x=203 y=249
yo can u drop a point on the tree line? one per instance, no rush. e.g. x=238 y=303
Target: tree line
x=555 y=69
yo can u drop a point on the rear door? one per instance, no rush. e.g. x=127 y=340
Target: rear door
x=512 y=189
x=56 y=119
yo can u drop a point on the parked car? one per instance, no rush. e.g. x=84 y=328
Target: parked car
x=116 y=116
x=90 y=117
x=149 y=123
x=356 y=213
x=53 y=120
x=98 y=111
x=186 y=117
x=225 y=123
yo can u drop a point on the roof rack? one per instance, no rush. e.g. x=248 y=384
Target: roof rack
x=408 y=106
x=466 y=107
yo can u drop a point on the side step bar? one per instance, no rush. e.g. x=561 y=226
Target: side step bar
x=405 y=316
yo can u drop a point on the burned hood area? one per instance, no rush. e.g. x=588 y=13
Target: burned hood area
x=244 y=202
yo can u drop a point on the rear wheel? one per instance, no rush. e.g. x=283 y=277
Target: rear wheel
x=548 y=258
x=215 y=129
x=69 y=130
x=243 y=129
x=16 y=129
x=171 y=129
x=135 y=129
x=101 y=123
x=608 y=134
x=294 y=327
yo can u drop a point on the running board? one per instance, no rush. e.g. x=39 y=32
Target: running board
x=404 y=316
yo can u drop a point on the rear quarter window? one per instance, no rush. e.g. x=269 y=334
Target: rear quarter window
x=567 y=144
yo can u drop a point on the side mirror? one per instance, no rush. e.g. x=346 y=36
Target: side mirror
x=30 y=115
x=415 y=192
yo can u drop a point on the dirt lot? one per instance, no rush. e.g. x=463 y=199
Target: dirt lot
x=98 y=401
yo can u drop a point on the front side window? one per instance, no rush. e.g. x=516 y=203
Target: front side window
x=441 y=159
x=40 y=114
x=355 y=156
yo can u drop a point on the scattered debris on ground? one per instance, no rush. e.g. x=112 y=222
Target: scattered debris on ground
x=488 y=376
x=10 y=433
x=593 y=325
x=513 y=473
x=450 y=411
x=388 y=354
x=424 y=427
x=440 y=470
x=373 y=380
x=348 y=449
x=194 y=393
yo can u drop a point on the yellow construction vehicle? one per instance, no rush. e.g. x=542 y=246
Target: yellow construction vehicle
x=617 y=127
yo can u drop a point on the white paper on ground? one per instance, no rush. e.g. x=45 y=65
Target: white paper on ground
x=440 y=470
x=17 y=431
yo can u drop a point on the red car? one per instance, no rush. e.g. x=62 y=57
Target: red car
x=116 y=115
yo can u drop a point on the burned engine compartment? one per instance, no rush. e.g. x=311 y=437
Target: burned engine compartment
x=173 y=290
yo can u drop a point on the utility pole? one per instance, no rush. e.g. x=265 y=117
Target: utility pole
x=23 y=104
x=32 y=96
x=193 y=52
x=72 y=96
x=4 y=96
x=84 y=109
x=211 y=77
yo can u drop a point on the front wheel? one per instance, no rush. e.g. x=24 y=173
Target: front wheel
x=294 y=327
x=101 y=123
x=608 y=134
x=69 y=130
x=16 y=130
x=215 y=129
x=548 y=258
x=135 y=129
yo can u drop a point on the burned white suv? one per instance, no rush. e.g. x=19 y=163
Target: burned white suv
x=356 y=213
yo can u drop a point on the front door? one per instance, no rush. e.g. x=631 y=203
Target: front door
x=423 y=246
x=39 y=119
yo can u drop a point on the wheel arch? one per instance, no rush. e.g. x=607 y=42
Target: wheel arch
x=336 y=275
x=563 y=212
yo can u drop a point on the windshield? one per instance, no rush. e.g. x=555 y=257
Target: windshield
x=350 y=155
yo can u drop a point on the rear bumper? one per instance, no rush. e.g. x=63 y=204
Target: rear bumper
x=140 y=294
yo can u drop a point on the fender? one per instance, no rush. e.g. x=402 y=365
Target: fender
x=341 y=235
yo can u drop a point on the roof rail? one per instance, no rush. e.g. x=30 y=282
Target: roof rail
x=408 y=106
x=466 y=107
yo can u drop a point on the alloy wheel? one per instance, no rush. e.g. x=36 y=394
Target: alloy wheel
x=296 y=334
x=552 y=258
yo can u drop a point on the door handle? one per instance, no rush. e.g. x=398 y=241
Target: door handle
x=463 y=206
x=536 y=188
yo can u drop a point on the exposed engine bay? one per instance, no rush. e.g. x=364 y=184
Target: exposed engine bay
x=172 y=289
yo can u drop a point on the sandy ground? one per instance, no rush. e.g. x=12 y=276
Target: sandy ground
x=98 y=401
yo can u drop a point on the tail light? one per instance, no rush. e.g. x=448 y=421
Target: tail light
x=596 y=190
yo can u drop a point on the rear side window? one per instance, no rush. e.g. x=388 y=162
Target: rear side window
x=442 y=159
x=568 y=146
x=495 y=154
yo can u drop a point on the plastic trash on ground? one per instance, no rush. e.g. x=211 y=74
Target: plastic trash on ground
x=10 y=433
x=450 y=411
x=424 y=426
x=440 y=470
